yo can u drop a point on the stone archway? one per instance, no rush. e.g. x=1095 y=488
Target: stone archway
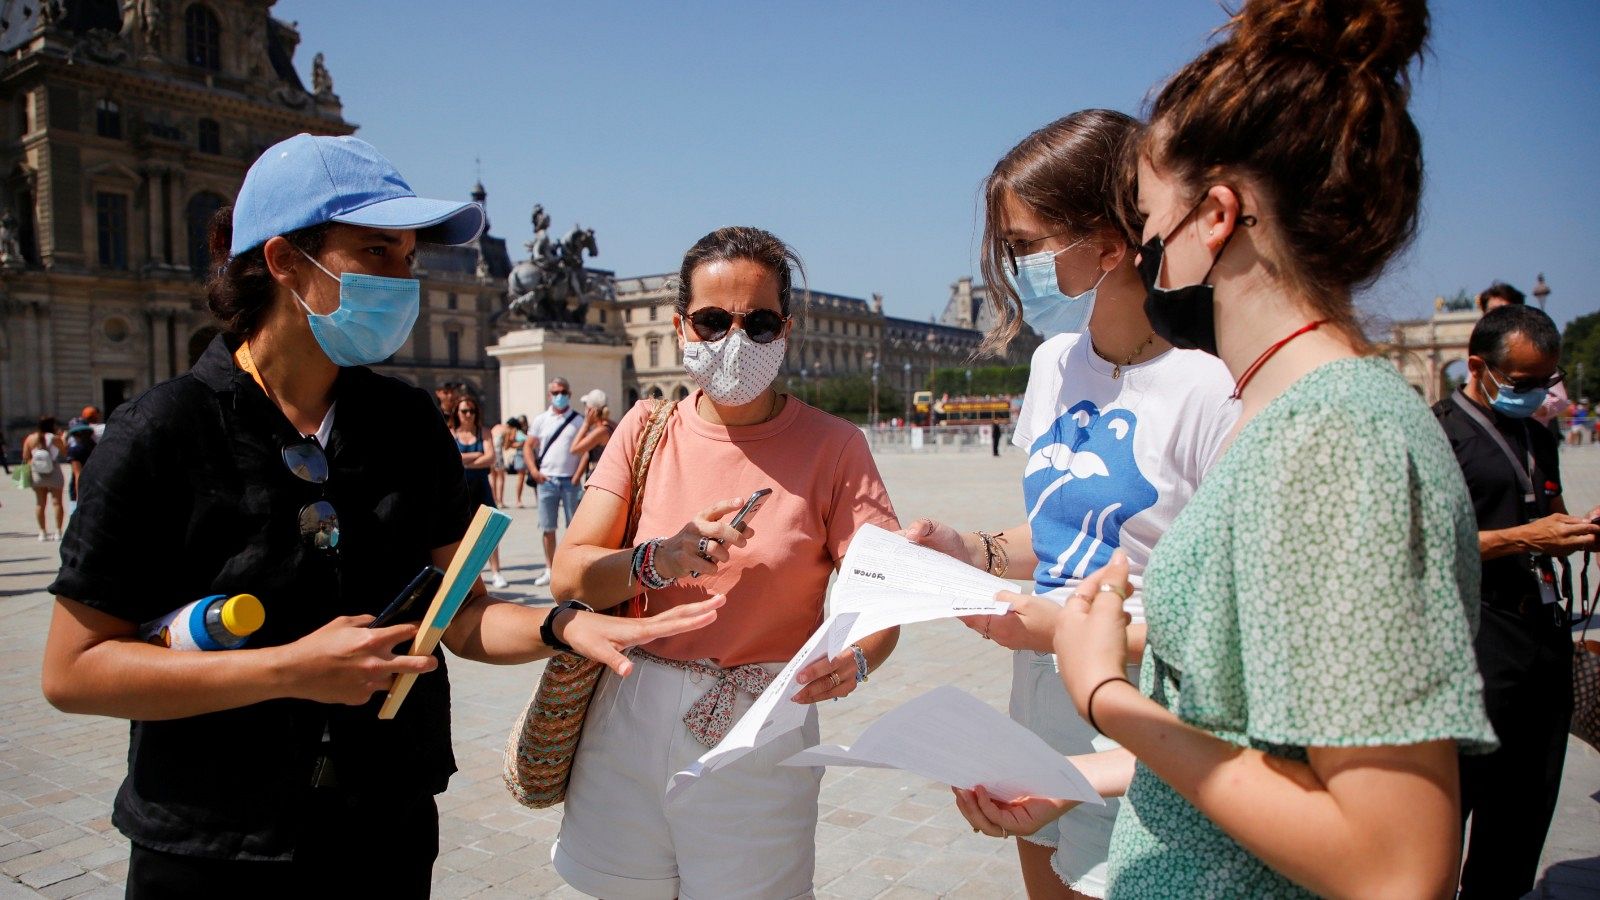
x=1423 y=348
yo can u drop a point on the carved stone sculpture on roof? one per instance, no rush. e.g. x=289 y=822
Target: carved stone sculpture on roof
x=321 y=81
x=11 y=259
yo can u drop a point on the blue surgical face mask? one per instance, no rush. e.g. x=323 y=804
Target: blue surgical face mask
x=374 y=317
x=1514 y=403
x=1045 y=308
x=561 y=401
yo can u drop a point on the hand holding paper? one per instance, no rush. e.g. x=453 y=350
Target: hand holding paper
x=888 y=581
x=950 y=736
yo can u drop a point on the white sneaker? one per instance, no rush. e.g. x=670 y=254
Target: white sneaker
x=43 y=537
x=499 y=581
x=543 y=579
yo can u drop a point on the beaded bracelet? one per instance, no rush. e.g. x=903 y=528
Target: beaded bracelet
x=636 y=561
x=649 y=575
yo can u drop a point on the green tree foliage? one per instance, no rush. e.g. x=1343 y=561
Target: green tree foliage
x=986 y=380
x=1580 y=343
x=849 y=396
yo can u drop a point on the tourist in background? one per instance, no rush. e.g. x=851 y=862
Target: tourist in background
x=749 y=831
x=477 y=459
x=551 y=464
x=1524 y=641
x=1308 y=673
x=512 y=436
x=594 y=434
x=1118 y=426
x=497 y=467
x=45 y=454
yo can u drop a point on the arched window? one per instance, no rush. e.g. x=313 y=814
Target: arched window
x=682 y=392
x=202 y=38
x=202 y=207
x=209 y=137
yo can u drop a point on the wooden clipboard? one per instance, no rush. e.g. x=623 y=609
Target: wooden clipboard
x=483 y=535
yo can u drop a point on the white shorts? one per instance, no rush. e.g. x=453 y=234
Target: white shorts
x=1082 y=837
x=747 y=830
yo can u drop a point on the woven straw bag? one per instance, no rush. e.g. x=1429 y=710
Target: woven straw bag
x=1586 y=670
x=544 y=741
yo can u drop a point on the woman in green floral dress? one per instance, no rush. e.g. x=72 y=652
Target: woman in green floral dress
x=1308 y=674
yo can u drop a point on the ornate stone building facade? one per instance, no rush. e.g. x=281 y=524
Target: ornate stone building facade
x=125 y=126
x=833 y=335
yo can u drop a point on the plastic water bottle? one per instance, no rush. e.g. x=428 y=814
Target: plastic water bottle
x=218 y=622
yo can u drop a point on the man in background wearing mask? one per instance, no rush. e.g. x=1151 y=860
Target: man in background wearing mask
x=1523 y=645
x=551 y=465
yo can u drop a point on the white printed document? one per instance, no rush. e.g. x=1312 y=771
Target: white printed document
x=774 y=713
x=885 y=580
x=952 y=737
x=888 y=580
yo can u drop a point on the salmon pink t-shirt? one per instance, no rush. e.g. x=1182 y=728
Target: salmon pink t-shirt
x=825 y=486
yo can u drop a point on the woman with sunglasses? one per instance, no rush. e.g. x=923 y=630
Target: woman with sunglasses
x=477 y=459
x=1308 y=673
x=1118 y=426
x=271 y=468
x=749 y=831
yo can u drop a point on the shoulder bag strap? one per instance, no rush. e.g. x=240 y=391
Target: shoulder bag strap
x=655 y=426
x=538 y=455
x=1524 y=472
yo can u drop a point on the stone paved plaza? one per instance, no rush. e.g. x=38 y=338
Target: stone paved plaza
x=883 y=834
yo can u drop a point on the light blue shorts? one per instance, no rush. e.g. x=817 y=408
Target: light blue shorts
x=557 y=492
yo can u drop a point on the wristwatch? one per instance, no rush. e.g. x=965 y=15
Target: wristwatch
x=861 y=664
x=547 y=631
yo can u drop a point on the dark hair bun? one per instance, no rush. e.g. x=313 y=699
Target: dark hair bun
x=1378 y=36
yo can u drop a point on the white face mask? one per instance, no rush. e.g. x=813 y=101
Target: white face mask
x=735 y=370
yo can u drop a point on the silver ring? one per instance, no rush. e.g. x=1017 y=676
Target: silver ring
x=704 y=545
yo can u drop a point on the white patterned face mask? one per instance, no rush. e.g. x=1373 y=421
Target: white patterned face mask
x=735 y=370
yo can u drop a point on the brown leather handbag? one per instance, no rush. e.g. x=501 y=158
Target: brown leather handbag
x=544 y=741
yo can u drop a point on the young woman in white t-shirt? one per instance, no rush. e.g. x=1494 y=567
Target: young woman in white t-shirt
x=1118 y=426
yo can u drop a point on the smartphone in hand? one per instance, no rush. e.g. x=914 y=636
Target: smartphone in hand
x=410 y=604
x=749 y=509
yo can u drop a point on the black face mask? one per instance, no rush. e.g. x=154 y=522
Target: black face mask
x=1185 y=317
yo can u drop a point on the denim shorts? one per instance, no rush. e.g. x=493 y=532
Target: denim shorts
x=557 y=492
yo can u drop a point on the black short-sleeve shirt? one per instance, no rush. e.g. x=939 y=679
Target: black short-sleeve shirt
x=1497 y=493
x=186 y=496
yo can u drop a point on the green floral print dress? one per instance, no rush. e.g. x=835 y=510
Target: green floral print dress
x=1320 y=590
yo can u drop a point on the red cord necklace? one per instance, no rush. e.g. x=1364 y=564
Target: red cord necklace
x=1238 y=389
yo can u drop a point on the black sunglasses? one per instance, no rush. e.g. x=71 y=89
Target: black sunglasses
x=319 y=522
x=712 y=323
x=1530 y=384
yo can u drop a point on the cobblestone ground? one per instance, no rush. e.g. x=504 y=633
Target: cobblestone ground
x=883 y=834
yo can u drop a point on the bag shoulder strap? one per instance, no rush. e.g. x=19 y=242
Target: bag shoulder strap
x=1524 y=471
x=650 y=439
x=538 y=455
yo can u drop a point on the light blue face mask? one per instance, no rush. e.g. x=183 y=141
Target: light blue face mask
x=1514 y=403
x=1045 y=308
x=561 y=401
x=374 y=317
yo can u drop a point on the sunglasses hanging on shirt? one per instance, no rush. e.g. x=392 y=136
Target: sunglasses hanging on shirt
x=319 y=522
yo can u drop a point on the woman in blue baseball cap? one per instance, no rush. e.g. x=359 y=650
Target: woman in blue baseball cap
x=270 y=469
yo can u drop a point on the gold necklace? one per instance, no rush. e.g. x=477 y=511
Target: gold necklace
x=1116 y=370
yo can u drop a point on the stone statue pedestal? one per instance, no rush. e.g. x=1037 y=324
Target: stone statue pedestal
x=529 y=358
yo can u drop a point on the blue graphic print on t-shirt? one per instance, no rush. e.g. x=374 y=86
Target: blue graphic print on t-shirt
x=1081 y=485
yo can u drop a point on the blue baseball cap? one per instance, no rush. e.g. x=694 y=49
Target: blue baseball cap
x=311 y=179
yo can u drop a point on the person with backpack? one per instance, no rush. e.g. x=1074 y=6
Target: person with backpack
x=82 y=432
x=553 y=467
x=42 y=453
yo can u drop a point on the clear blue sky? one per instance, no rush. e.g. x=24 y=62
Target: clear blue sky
x=859 y=132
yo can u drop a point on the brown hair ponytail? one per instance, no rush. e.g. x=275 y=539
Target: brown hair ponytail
x=1307 y=98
